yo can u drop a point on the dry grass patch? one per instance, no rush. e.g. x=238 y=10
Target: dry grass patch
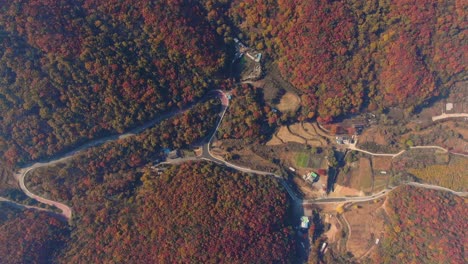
x=381 y=163
x=299 y=130
x=345 y=191
x=333 y=234
x=312 y=138
x=289 y=102
x=366 y=221
x=360 y=176
x=274 y=141
x=286 y=136
x=373 y=134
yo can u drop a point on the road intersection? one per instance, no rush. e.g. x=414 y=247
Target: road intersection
x=207 y=155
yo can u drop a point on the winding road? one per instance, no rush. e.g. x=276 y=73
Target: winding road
x=66 y=210
x=206 y=155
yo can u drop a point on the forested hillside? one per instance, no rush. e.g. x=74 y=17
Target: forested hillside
x=352 y=55
x=426 y=226
x=108 y=164
x=196 y=212
x=247 y=116
x=29 y=236
x=75 y=70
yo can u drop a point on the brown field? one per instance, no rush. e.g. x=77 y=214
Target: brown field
x=296 y=133
x=361 y=177
x=286 y=136
x=333 y=234
x=313 y=139
x=245 y=156
x=299 y=130
x=373 y=135
x=274 y=141
x=289 y=102
x=365 y=175
x=345 y=191
x=381 y=163
x=366 y=221
x=380 y=181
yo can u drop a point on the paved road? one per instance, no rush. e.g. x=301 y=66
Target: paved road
x=437 y=188
x=66 y=210
x=353 y=147
x=445 y=116
x=206 y=155
x=21 y=206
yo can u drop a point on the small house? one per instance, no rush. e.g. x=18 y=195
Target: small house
x=304 y=222
x=310 y=177
x=449 y=107
x=173 y=154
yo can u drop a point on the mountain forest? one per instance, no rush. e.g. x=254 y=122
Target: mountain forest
x=425 y=226
x=72 y=71
x=78 y=71
x=195 y=212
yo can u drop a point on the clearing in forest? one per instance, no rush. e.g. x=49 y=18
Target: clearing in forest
x=289 y=102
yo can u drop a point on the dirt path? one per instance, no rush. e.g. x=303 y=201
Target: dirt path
x=445 y=116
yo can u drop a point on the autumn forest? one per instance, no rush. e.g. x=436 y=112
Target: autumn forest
x=72 y=71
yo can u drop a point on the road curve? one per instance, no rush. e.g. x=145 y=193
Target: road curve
x=66 y=210
x=206 y=155
x=21 y=175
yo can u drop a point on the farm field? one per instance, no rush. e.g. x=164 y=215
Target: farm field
x=381 y=163
x=366 y=221
x=359 y=177
x=302 y=159
x=286 y=136
x=300 y=133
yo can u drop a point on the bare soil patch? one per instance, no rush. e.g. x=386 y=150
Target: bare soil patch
x=345 y=191
x=367 y=224
x=309 y=191
x=289 y=102
x=334 y=233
